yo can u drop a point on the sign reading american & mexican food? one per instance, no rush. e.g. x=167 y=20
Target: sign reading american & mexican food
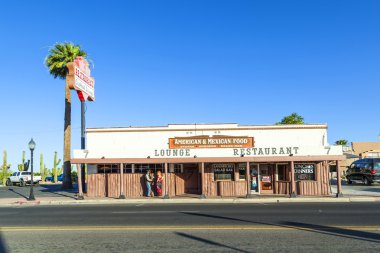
x=211 y=142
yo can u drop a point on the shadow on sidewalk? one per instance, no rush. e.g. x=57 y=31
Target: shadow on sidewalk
x=20 y=194
x=57 y=190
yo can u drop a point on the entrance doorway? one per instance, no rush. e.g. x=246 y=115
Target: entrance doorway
x=266 y=178
x=188 y=180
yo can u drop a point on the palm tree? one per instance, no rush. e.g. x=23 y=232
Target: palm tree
x=59 y=55
x=293 y=118
x=342 y=142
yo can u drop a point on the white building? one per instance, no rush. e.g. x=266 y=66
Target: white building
x=210 y=159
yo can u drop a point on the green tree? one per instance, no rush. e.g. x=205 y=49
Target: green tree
x=24 y=165
x=44 y=171
x=55 y=170
x=59 y=56
x=4 y=168
x=341 y=142
x=291 y=119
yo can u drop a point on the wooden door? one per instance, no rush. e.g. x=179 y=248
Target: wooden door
x=266 y=178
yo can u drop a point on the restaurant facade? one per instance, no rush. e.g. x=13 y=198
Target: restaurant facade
x=210 y=160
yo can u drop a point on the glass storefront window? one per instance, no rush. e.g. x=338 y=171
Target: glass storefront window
x=223 y=172
x=254 y=177
x=304 y=171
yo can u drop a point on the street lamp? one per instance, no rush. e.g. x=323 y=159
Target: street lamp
x=32 y=145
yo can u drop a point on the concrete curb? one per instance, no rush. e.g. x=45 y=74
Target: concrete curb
x=47 y=202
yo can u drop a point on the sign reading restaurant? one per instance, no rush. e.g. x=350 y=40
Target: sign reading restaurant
x=79 y=79
x=211 y=142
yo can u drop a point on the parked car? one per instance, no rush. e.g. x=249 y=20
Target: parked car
x=366 y=171
x=51 y=178
x=22 y=178
x=60 y=178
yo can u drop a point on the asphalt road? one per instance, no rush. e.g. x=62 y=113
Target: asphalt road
x=316 y=227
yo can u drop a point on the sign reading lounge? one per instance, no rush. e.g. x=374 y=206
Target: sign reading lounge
x=211 y=142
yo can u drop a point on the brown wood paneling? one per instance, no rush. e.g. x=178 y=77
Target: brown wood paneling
x=225 y=188
x=240 y=188
x=179 y=184
x=108 y=185
x=172 y=177
x=96 y=185
x=210 y=185
x=134 y=185
x=308 y=188
x=113 y=185
x=189 y=182
x=283 y=187
x=232 y=188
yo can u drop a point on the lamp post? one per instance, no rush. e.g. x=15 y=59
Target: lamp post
x=32 y=145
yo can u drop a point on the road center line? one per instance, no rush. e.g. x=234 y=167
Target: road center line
x=152 y=212
x=157 y=228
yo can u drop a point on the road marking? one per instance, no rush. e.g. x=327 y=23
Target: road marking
x=141 y=228
x=152 y=212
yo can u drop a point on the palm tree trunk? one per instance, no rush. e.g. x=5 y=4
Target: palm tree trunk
x=67 y=184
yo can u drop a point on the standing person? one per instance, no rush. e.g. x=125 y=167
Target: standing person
x=159 y=183
x=148 y=182
x=152 y=183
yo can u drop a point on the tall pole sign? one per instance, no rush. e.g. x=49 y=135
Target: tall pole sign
x=80 y=79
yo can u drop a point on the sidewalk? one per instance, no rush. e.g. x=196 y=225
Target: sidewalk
x=184 y=200
x=54 y=195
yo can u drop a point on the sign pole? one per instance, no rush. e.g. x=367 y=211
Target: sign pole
x=79 y=79
x=83 y=143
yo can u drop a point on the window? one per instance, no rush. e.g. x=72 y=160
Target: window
x=281 y=169
x=142 y=168
x=242 y=171
x=223 y=172
x=178 y=168
x=108 y=168
x=127 y=168
x=304 y=171
x=253 y=168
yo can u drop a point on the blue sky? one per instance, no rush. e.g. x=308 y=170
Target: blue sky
x=198 y=61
